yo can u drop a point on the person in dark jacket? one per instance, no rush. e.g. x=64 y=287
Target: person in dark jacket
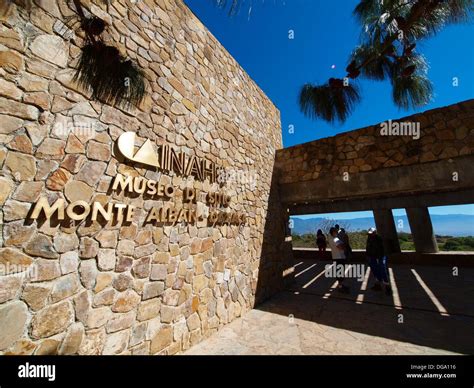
x=377 y=261
x=321 y=243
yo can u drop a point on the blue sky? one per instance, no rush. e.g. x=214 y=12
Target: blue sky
x=325 y=33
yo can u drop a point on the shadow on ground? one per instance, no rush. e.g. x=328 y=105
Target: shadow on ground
x=434 y=308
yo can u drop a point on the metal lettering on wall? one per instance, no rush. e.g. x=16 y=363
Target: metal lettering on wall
x=166 y=159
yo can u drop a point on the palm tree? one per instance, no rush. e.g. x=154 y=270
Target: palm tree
x=102 y=70
x=387 y=50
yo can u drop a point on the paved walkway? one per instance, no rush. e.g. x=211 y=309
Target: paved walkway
x=430 y=312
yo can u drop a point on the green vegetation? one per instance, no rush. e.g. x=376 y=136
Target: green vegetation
x=447 y=243
x=358 y=240
x=406 y=242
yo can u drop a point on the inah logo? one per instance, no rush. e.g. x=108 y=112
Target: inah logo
x=37 y=371
x=167 y=158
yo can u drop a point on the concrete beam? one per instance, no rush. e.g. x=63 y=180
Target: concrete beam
x=416 y=178
x=439 y=198
x=422 y=230
x=387 y=230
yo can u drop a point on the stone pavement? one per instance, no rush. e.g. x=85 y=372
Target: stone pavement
x=430 y=312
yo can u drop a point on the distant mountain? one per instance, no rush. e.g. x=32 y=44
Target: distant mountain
x=456 y=225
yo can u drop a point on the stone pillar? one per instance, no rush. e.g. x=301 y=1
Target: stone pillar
x=422 y=230
x=276 y=267
x=286 y=250
x=386 y=229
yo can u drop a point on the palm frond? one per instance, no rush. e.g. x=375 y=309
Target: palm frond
x=109 y=76
x=366 y=9
x=379 y=68
x=401 y=63
x=438 y=14
x=380 y=14
x=459 y=10
x=411 y=92
x=328 y=102
x=428 y=24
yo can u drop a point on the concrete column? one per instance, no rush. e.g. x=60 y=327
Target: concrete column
x=286 y=252
x=386 y=229
x=422 y=230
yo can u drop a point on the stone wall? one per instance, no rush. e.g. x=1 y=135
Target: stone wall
x=114 y=288
x=445 y=133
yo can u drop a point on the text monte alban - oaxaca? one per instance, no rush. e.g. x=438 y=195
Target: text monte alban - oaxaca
x=166 y=159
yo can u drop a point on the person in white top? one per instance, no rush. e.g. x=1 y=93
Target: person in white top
x=338 y=255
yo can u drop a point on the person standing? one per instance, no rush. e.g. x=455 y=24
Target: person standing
x=337 y=253
x=377 y=261
x=344 y=237
x=321 y=243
